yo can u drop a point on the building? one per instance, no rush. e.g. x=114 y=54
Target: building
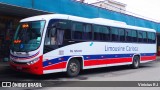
x=12 y=11
x=111 y=5
x=10 y=15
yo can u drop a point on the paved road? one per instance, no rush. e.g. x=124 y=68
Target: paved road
x=147 y=72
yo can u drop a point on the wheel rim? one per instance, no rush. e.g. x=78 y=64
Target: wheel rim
x=136 y=62
x=73 y=67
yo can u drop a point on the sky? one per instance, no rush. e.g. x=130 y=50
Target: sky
x=147 y=8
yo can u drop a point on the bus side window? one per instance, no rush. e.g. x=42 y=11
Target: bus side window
x=77 y=30
x=59 y=37
x=63 y=34
x=52 y=36
x=97 y=32
x=151 y=37
x=145 y=37
x=140 y=36
x=134 y=36
x=56 y=32
x=115 y=34
x=87 y=34
x=106 y=33
x=65 y=25
x=51 y=31
x=121 y=35
x=128 y=35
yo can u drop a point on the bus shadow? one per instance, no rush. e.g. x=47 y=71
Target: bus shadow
x=115 y=69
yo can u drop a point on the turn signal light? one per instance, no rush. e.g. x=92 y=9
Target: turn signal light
x=17 y=41
x=25 y=25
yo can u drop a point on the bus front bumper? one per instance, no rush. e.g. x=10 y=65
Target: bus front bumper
x=35 y=68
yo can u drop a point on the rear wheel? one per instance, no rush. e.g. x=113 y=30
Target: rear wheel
x=136 y=62
x=73 y=68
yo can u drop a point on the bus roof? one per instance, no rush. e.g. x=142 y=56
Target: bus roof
x=98 y=21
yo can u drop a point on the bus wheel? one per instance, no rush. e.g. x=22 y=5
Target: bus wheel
x=73 y=68
x=136 y=62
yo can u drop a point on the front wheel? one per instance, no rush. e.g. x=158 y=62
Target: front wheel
x=136 y=62
x=73 y=68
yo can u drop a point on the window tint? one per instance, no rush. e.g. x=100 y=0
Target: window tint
x=77 y=30
x=87 y=34
x=140 y=36
x=128 y=35
x=63 y=24
x=134 y=36
x=151 y=37
x=55 y=32
x=115 y=34
x=66 y=26
x=122 y=35
x=106 y=33
x=81 y=31
x=97 y=33
x=101 y=33
x=144 y=37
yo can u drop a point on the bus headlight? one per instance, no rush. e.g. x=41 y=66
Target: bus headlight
x=33 y=61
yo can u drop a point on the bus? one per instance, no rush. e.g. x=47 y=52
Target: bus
x=63 y=43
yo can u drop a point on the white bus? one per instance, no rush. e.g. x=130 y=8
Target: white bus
x=63 y=43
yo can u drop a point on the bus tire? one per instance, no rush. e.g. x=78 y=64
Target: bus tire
x=73 y=68
x=136 y=62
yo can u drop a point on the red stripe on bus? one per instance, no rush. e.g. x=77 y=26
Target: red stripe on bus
x=143 y=58
x=106 y=61
x=56 y=66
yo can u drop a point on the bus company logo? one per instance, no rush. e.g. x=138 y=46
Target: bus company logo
x=6 y=84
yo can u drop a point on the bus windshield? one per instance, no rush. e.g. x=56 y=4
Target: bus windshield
x=28 y=36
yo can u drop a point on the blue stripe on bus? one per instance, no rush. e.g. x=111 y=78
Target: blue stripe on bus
x=147 y=54
x=86 y=57
x=56 y=60
x=93 y=57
